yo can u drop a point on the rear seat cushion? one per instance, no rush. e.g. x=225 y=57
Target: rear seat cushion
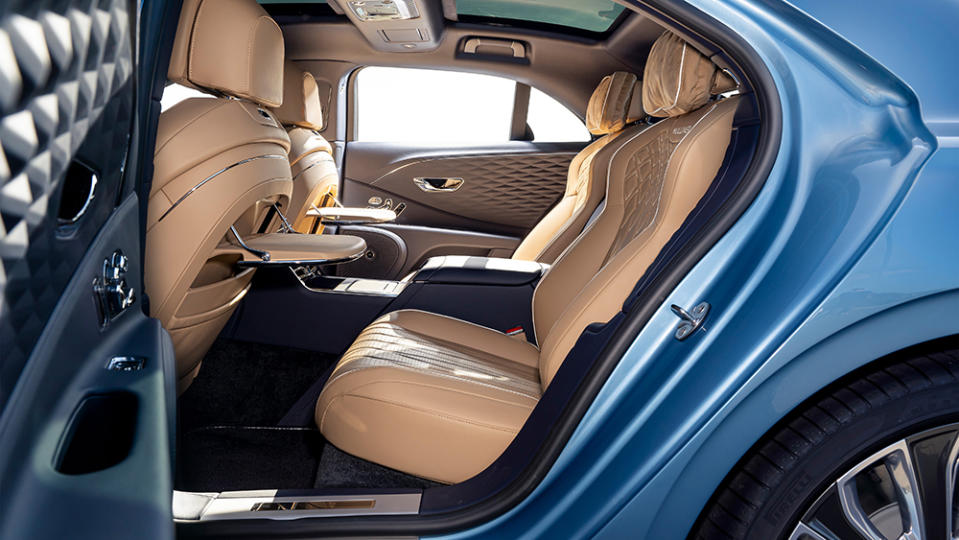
x=442 y=408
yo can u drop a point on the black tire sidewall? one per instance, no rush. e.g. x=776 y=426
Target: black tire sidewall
x=855 y=441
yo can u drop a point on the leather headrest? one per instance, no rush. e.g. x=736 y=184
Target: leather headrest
x=301 y=99
x=617 y=101
x=229 y=46
x=679 y=79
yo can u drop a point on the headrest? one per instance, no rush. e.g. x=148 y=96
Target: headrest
x=229 y=46
x=301 y=99
x=679 y=79
x=617 y=101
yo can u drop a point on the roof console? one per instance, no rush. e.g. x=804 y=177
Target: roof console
x=396 y=25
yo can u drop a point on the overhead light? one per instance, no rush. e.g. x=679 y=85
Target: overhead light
x=384 y=10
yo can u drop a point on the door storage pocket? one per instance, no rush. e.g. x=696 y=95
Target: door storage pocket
x=99 y=435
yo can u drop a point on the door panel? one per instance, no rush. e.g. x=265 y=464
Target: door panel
x=62 y=477
x=506 y=188
x=66 y=206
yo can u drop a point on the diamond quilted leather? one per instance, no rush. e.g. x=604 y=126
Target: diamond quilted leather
x=507 y=189
x=65 y=93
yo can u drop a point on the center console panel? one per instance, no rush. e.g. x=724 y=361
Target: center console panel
x=325 y=313
x=492 y=292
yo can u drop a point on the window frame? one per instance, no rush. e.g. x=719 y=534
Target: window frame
x=519 y=129
x=523 y=24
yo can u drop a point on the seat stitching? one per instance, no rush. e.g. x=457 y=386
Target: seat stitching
x=417 y=409
x=438 y=387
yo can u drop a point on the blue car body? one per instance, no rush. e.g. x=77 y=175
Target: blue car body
x=847 y=254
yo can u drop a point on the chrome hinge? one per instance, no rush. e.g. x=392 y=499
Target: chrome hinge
x=110 y=288
x=692 y=320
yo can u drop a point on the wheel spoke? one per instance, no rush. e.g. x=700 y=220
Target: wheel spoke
x=952 y=496
x=930 y=456
x=903 y=473
x=805 y=532
x=828 y=519
x=897 y=463
x=909 y=490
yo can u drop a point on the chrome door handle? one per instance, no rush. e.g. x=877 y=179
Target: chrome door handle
x=431 y=184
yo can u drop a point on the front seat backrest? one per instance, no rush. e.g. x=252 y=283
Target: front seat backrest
x=218 y=163
x=616 y=103
x=656 y=177
x=315 y=178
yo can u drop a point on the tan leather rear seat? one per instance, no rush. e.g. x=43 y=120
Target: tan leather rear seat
x=616 y=103
x=441 y=398
x=315 y=178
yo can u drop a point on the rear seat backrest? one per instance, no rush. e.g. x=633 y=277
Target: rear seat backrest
x=615 y=103
x=655 y=176
x=315 y=178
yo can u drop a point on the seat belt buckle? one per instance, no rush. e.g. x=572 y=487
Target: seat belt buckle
x=516 y=332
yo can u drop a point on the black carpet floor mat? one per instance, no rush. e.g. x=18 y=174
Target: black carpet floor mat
x=231 y=458
x=246 y=422
x=248 y=384
x=338 y=469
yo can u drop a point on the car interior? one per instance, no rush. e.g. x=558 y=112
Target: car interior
x=392 y=322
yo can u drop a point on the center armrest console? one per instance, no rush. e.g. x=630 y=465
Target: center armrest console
x=459 y=269
x=325 y=313
x=290 y=249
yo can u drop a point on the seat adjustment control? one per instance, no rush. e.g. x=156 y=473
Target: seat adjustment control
x=110 y=289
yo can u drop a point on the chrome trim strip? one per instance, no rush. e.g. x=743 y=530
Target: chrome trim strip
x=214 y=175
x=299 y=262
x=450 y=183
x=308 y=167
x=86 y=204
x=195 y=507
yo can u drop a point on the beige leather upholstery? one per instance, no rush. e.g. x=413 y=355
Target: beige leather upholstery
x=689 y=87
x=228 y=46
x=441 y=398
x=217 y=163
x=301 y=99
x=430 y=395
x=315 y=177
x=615 y=103
x=305 y=247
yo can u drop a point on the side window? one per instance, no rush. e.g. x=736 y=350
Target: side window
x=175 y=93
x=452 y=108
x=551 y=121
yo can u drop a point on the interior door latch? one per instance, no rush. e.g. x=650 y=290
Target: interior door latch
x=692 y=320
x=110 y=288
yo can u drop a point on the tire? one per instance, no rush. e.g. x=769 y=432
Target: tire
x=792 y=470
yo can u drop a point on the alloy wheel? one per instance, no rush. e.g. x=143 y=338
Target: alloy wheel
x=906 y=491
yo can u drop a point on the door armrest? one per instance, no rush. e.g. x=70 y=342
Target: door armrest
x=338 y=215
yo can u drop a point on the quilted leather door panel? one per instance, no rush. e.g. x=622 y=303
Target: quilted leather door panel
x=66 y=94
x=506 y=189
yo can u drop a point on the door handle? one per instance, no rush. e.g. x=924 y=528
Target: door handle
x=430 y=184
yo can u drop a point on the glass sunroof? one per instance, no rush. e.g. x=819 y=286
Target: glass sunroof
x=588 y=15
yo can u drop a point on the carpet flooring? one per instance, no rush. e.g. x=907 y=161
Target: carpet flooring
x=246 y=423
